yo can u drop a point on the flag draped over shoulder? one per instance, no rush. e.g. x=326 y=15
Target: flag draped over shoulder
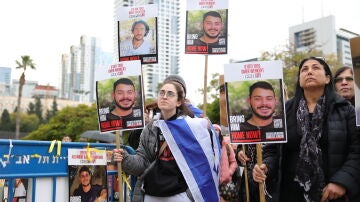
x=196 y=155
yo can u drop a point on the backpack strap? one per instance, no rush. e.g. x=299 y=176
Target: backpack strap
x=162 y=148
x=152 y=164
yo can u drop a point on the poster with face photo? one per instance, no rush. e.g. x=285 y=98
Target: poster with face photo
x=137 y=33
x=119 y=96
x=355 y=54
x=87 y=175
x=20 y=190
x=255 y=102
x=206 y=27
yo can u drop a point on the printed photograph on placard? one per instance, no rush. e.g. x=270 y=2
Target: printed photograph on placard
x=138 y=37
x=137 y=33
x=120 y=104
x=206 y=27
x=87 y=175
x=255 y=103
x=119 y=97
x=112 y=179
x=256 y=112
x=20 y=189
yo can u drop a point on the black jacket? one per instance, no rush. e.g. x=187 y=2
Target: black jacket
x=340 y=144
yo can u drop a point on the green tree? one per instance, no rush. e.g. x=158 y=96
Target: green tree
x=70 y=121
x=213 y=111
x=5 y=123
x=292 y=58
x=25 y=62
x=54 y=107
x=29 y=122
x=53 y=111
x=31 y=108
x=38 y=108
x=213 y=108
x=290 y=78
x=212 y=88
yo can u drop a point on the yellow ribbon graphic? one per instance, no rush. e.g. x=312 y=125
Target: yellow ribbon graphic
x=52 y=145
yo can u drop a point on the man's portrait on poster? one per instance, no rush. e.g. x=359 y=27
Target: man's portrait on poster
x=137 y=37
x=255 y=105
x=206 y=32
x=87 y=183
x=120 y=103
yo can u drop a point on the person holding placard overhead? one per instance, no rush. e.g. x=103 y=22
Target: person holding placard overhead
x=321 y=160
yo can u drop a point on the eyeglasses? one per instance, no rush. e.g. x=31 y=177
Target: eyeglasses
x=163 y=93
x=340 y=79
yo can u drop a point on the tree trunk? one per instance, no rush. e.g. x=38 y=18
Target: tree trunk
x=18 y=112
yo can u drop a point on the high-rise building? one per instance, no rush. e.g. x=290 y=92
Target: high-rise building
x=5 y=79
x=168 y=30
x=321 y=34
x=343 y=45
x=78 y=69
x=66 y=77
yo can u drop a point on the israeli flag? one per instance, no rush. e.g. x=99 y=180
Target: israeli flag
x=191 y=145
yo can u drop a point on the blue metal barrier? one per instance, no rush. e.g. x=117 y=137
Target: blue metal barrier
x=32 y=160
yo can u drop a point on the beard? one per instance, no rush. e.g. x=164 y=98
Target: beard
x=85 y=185
x=138 y=38
x=121 y=107
x=262 y=116
x=212 y=37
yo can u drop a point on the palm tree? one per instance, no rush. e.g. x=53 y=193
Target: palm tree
x=25 y=62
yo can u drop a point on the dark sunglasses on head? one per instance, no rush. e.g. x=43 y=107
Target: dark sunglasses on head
x=340 y=79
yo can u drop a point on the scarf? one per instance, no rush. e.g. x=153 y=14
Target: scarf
x=309 y=173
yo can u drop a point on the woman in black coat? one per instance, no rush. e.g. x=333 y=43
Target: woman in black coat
x=321 y=160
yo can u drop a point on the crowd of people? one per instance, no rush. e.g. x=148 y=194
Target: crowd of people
x=180 y=149
x=319 y=162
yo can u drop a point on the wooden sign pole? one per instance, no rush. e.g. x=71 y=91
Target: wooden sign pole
x=120 y=180
x=259 y=162
x=246 y=178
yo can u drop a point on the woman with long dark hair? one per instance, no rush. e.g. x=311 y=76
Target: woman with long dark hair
x=321 y=160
